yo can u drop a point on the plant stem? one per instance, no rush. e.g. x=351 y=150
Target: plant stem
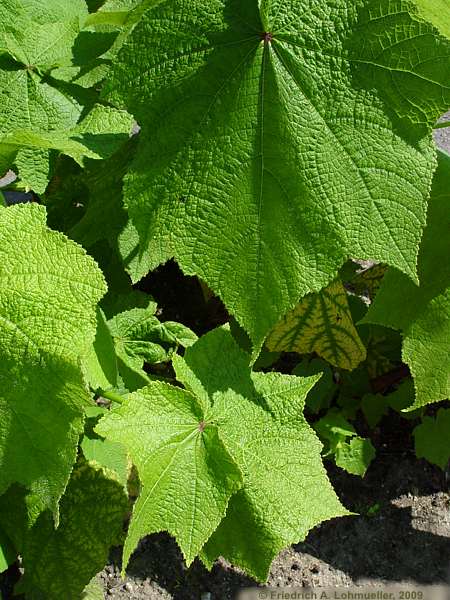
x=441 y=125
x=110 y=395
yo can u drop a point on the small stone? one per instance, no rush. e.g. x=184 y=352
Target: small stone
x=128 y=586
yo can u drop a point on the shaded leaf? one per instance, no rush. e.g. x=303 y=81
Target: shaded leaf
x=59 y=563
x=424 y=318
x=432 y=438
x=321 y=323
x=49 y=289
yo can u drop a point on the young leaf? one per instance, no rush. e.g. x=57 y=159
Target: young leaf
x=178 y=454
x=425 y=318
x=59 y=563
x=250 y=170
x=250 y=430
x=286 y=491
x=355 y=455
x=49 y=289
x=432 y=438
x=140 y=337
x=321 y=323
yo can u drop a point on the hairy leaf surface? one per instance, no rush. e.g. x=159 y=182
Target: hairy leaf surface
x=279 y=138
x=178 y=457
x=321 y=323
x=261 y=422
x=49 y=289
x=60 y=562
x=233 y=430
x=424 y=318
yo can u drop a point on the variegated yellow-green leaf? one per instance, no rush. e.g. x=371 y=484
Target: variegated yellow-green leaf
x=321 y=323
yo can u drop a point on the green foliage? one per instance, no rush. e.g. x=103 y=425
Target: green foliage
x=425 y=318
x=59 y=562
x=283 y=155
x=350 y=452
x=128 y=340
x=249 y=169
x=231 y=439
x=43 y=47
x=48 y=294
x=432 y=438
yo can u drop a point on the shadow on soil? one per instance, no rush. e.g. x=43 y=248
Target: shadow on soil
x=406 y=540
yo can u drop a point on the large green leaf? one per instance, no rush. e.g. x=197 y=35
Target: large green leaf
x=246 y=430
x=321 y=323
x=49 y=289
x=279 y=138
x=424 y=318
x=186 y=474
x=60 y=562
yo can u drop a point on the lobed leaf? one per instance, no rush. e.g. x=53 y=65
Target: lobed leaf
x=277 y=140
x=49 y=289
x=235 y=442
x=178 y=455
